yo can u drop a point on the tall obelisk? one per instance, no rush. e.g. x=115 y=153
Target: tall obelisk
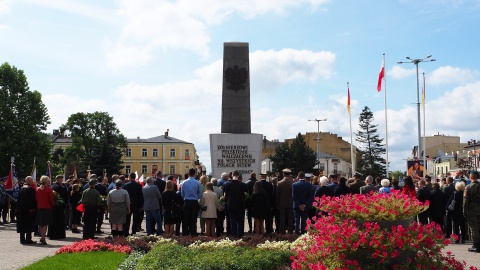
x=236 y=148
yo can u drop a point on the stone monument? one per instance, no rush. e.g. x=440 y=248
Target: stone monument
x=236 y=148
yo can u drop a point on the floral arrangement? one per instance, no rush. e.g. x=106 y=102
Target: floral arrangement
x=92 y=245
x=374 y=207
x=342 y=244
x=57 y=199
x=103 y=202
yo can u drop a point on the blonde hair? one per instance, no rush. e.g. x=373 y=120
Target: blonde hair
x=203 y=180
x=460 y=186
x=44 y=180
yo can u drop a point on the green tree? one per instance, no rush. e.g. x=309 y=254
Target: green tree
x=371 y=147
x=396 y=174
x=96 y=143
x=23 y=122
x=297 y=156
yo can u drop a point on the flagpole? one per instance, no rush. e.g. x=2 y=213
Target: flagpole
x=386 y=121
x=351 y=137
x=424 y=135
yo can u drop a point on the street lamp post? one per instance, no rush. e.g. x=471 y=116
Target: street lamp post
x=415 y=62
x=318 y=140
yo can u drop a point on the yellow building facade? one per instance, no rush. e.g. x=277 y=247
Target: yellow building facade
x=147 y=156
x=161 y=153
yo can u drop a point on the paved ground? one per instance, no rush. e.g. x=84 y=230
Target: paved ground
x=14 y=255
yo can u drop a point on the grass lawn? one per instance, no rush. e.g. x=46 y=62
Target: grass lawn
x=99 y=260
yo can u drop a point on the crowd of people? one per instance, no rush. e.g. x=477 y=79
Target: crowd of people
x=281 y=203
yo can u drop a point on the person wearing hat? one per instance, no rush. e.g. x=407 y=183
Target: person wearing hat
x=301 y=191
x=91 y=200
x=250 y=183
x=471 y=209
x=284 y=201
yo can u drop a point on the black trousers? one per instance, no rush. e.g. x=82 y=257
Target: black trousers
x=89 y=219
x=100 y=214
x=249 y=219
x=448 y=224
x=269 y=222
x=25 y=237
x=135 y=219
x=219 y=223
x=189 y=218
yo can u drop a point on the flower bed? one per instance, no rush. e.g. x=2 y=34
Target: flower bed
x=374 y=207
x=92 y=245
x=360 y=232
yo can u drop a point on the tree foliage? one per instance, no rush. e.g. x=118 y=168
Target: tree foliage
x=297 y=156
x=96 y=143
x=371 y=147
x=23 y=122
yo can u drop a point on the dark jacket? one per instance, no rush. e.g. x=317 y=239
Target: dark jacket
x=423 y=194
x=160 y=183
x=301 y=193
x=235 y=195
x=269 y=194
x=367 y=189
x=135 y=193
x=448 y=190
x=437 y=203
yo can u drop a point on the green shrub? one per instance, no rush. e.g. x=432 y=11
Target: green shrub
x=99 y=260
x=174 y=256
x=130 y=263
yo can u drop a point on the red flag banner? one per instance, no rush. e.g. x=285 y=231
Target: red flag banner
x=348 y=100
x=381 y=75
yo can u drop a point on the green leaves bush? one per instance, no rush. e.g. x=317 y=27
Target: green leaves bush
x=174 y=256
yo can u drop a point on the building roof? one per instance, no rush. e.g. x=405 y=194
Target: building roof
x=157 y=139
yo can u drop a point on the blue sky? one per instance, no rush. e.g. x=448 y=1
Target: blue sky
x=156 y=65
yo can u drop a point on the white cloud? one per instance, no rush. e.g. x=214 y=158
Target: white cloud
x=4 y=27
x=61 y=106
x=184 y=25
x=5 y=6
x=449 y=74
x=271 y=69
x=398 y=72
x=126 y=56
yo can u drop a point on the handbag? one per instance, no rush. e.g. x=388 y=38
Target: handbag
x=451 y=206
x=204 y=208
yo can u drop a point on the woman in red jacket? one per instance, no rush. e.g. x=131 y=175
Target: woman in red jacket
x=45 y=202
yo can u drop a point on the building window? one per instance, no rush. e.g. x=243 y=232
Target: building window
x=144 y=152
x=144 y=169
x=172 y=152
x=172 y=169
x=129 y=152
x=187 y=168
x=128 y=169
x=322 y=166
x=155 y=152
x=187 y=152
x=335 y=168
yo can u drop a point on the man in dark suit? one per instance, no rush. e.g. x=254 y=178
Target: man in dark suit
x=135 y=193
x=235 y=198
x=333 y=183
x=268 y=188
x=423 y=195
x=285 y=201
x=355 y=183
x=250 y=183
x=101 y=211
x=160 y=183
x=301 y=202
x=448 y=190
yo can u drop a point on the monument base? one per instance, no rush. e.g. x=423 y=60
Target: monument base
x=236 y=152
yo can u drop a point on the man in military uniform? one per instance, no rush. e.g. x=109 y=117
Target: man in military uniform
x=471 y=208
